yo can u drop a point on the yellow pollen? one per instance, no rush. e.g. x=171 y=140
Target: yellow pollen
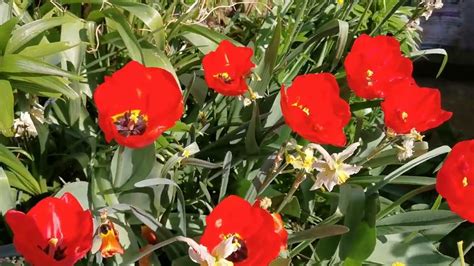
x=465 y=182
x=404 y=116
x=370 y=73
x=224 y=76
x=134 y=114
x=397 y=263
x=301 y=107
x=186 y=153
x=53 y=241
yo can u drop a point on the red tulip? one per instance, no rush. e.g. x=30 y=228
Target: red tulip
x=373 y=63
x=137 y=104
x=455 y=180
x=408 y=107
x=312 y=108
x=226 y=68
x=251 y=227
x=55 y=232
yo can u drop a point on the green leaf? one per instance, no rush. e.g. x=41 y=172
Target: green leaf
x=251 y=144
x=5 y=32
x=205 y=39
x=420 y=251
x=342 y=37
x=20 y=64
x=415 y=221
x=27 y=32
x=79 y=190
x=317 y=232
x=6 y=103
x=49 y=86
x=438 y=51
x=267 y=64
x=409 y=165
x=156 y=58
x=352 y=205
x=131 y=165
x=6 y=200
x=181 y=202
x=401 y=180
x=45 y=49
x=227 y=164
x=150 y=16
x=22 y=177
x=118 y=22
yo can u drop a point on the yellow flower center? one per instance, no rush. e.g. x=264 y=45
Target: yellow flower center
x=404 y=116
x=370 y=73
x=465 y=182
x=224 y=76
x=130 y=123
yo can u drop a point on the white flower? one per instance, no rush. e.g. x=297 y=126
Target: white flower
x=332 y=169
x=200 y=254
x=430 y=5
x=303 y=161
x=24 y=126
x=406 y=150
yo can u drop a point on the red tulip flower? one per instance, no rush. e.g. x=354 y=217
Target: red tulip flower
x=137 y=104
x=55 y=232
x=373 y=63
x=226 y=68
x=250 y=229
x=408 y=107
x=455 y=180
x=312 y=108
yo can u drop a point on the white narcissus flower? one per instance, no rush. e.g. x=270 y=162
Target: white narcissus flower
x=332 y=169
x=199 y=253
x=303 y=162
x=405 y=151
x=24 y=126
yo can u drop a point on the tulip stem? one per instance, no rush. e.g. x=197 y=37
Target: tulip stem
x=298 y=180
x=118 y=169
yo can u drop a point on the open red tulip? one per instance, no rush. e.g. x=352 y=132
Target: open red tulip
x=312 y=108
x=55 y=232
x=407 y=106
x=455 y=180
x=373 y=63
x=251 y=228
x=226 y=68
x=137 y=104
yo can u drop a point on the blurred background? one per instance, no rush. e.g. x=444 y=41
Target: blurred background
x=451 y=28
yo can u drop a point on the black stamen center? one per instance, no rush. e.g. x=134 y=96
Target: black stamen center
x=240 y=254
x=59 y=253
x=105 y=228
x=126 y=126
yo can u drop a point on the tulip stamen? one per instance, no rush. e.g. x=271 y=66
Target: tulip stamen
x=54 y=250
x=130 y=123
x=404 y=116
x=224 y=77
x=241 y=251
x=301 y=107
x=370 y=73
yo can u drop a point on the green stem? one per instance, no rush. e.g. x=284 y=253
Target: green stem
x=299 y=178
x=118 y=169
x=404 y=198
